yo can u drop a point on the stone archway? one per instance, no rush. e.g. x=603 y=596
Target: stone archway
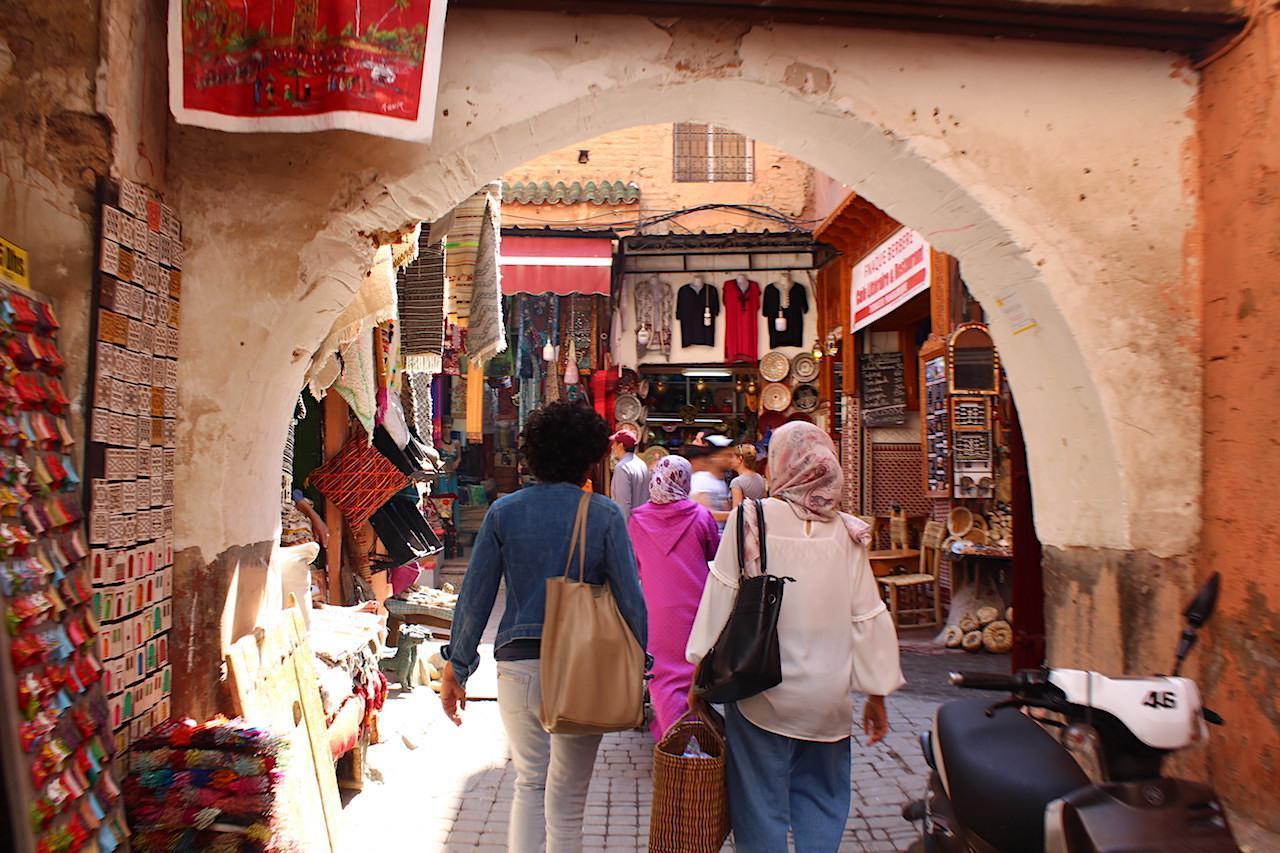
x=1033 y=164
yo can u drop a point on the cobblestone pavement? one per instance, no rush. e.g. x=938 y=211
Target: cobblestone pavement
x=435 y=787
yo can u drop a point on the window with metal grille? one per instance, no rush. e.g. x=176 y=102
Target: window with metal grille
x=706 y=153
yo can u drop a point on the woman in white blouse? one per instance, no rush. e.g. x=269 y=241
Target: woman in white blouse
x=789 y=747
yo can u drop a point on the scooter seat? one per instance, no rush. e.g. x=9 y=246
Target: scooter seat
x=1001 y=773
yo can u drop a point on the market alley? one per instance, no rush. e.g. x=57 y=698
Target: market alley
x=433 y=787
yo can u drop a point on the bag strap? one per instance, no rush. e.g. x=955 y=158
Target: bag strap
x=741 y=530
x=742 y=538
x=764 y=552
x=578 y=538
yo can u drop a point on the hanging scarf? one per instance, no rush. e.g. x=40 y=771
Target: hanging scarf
x=805 y=472
x=486 y=336
x=475 y=400
x=357 y=383
x=420 y=391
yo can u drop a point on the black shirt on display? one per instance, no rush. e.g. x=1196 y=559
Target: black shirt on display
x=691 y=308
x=794 y=313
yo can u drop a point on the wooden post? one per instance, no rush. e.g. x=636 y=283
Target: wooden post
x=1028 y=571
x=336 y=419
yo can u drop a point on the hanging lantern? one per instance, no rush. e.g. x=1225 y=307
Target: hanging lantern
x=548 y=352
x=780 y=323
x=817 y=351
x=833 y=345
x=643 y=335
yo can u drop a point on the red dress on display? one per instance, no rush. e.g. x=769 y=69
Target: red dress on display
x=741 y=322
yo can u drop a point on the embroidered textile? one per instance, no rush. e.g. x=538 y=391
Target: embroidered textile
x=653 y=305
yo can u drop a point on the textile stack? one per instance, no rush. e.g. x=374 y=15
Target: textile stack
x=207 y=786
x=352 y=689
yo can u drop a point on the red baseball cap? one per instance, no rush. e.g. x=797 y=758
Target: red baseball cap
x=626 y=438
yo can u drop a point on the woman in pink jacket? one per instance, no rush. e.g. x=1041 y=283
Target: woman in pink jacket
x=674 y=538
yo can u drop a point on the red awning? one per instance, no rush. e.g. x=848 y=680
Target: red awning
x=559 y=265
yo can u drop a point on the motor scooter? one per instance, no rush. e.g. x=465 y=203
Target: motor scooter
x=1001 y=782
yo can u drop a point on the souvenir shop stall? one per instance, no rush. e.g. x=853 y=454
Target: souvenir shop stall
x=716 y=333
x=63 y=726
x=928 y=433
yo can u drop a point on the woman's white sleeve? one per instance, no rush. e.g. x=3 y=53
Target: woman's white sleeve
x=713 y=613
x=876 y=668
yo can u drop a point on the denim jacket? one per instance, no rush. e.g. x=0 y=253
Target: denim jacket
x=525 y=540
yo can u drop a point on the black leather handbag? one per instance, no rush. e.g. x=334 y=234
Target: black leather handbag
x=745 y=659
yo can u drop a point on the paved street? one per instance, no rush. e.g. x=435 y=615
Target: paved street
x=434 y=787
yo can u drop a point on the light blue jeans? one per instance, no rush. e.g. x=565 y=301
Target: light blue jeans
x=553 y=772
x=778 y=783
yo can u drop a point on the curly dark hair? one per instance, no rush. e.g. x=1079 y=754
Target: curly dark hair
x=561 y=441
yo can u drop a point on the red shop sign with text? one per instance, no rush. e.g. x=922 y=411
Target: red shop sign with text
x=257 y=66
x=889 y=275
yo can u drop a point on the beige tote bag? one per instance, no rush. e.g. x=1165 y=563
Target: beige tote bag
x=592 y=667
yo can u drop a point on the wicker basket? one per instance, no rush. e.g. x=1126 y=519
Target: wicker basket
x=690 y=802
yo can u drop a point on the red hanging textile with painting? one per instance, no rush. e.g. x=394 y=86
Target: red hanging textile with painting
x=254 y=66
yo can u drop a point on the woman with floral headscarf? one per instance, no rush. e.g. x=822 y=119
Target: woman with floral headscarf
x=673 y=538
x=789 y=747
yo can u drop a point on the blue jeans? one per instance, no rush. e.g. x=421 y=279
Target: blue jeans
x=777 y=782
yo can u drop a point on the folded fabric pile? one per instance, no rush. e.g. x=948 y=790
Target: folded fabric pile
x=207 y=786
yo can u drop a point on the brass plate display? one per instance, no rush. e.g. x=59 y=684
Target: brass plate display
x=804 y=367
x=776 y=397
x=774 y=367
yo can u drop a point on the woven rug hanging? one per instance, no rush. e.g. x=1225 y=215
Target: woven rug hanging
x=420 y=298
x=486 y=335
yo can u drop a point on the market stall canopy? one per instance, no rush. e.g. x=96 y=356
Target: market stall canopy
x=559 y=265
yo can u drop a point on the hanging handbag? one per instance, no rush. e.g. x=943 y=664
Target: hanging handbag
x=745 y=659
x=592 y=667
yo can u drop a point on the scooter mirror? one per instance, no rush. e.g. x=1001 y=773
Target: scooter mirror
x=1201 y=607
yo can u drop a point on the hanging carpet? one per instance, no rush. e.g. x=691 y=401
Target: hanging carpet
x=420 y=296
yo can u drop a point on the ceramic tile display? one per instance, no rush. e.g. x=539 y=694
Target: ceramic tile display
x=130 y=461
x=56 y=746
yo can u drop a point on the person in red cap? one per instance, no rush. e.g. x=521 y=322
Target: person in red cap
x=630 y=485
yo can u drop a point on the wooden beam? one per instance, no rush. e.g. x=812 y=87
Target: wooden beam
x=1154 y=24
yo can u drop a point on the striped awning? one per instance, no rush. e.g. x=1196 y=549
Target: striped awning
x=559 y=265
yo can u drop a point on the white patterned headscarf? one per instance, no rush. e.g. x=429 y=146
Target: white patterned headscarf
x=672 y=478
x=804 y=471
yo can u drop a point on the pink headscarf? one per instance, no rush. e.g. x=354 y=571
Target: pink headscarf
x=671 y=480
x=805 y=472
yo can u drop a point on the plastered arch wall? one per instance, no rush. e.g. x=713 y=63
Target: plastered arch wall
x=1036 y=165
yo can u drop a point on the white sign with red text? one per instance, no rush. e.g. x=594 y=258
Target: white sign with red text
x=892 y=273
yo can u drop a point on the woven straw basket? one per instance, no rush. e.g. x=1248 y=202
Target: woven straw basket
x=690 y=803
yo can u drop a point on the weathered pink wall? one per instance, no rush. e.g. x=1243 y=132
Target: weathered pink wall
x=1240 y=149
